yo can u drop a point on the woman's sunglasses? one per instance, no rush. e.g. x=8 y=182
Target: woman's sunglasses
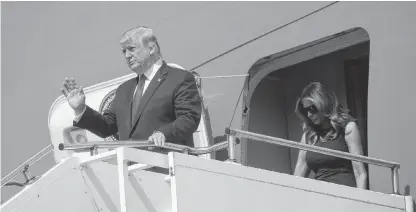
x=311 y=109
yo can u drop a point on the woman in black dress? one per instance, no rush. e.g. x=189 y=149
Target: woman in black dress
x=327 y=124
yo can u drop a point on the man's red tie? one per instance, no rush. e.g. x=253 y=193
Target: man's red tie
x=137 y=97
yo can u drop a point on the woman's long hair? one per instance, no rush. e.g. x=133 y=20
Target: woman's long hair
x=327 y=103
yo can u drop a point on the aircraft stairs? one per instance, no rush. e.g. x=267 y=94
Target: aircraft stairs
x=182 y=182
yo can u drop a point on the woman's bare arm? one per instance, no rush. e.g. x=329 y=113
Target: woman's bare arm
x=353 y=139
x=302 y=168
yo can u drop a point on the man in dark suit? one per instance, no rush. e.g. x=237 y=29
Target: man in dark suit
x=161 y=104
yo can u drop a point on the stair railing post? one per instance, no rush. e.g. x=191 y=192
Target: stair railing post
x=231 y=148
x=122 y=177
x=395 y=179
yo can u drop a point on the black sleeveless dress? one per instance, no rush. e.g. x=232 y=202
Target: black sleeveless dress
x=329 y=168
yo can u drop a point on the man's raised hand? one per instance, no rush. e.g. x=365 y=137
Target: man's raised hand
x=74 y=94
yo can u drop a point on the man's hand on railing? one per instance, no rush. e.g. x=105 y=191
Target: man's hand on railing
x=158 y=139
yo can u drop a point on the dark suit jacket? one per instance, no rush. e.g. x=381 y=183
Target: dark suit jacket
x=171 y=104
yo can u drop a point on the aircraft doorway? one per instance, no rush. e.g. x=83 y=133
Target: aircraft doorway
x=342 y=69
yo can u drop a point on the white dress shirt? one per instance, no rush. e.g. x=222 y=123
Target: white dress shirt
x=150 y=73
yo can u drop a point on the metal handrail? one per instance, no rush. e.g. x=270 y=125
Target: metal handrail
x=232 y=134
x=26 y=164
x=143 y=144
x=345 y=155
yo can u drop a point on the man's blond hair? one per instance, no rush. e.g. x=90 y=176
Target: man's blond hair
x=143 y=34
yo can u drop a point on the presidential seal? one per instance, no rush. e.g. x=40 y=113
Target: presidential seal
x=105 y=105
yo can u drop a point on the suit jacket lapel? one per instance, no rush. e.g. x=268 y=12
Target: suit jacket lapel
x=154 y=84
